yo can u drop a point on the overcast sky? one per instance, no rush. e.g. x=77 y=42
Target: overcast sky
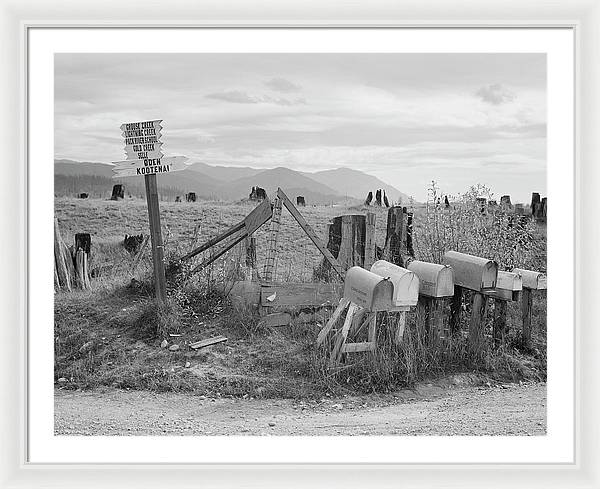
x=459 y=119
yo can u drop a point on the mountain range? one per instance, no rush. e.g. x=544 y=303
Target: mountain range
x=225 y=183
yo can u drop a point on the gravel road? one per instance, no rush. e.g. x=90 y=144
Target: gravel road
x=509 y=409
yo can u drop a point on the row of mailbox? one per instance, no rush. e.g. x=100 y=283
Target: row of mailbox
x=387 y=286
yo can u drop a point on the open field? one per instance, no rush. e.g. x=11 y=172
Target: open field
x=107 y=336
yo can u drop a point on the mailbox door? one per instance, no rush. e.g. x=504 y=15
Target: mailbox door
x=368 y=290
x=434 y=280
x=406 y=283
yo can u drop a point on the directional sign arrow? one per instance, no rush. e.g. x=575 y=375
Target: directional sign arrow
x=132 y=168
x=142 y=124
x=146 y=155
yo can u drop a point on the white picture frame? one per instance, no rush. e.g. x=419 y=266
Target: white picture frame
x=16 y=18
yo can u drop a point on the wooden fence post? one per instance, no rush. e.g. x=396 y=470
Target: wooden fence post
x=270 y=262
x=160 y=281
x=500 y=322
x=526 y=303
x=476 y=325
x=455 y=310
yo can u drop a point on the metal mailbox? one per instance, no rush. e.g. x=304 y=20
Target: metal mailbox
x=434 y=280
x=368 y=290
x=406 y=283
x=532 y=280
x=508 y=286
x=472 y=272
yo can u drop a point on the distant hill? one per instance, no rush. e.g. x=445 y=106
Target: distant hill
x=293 y=182
x=224 y=183
x=224 y=173
x=356 y=184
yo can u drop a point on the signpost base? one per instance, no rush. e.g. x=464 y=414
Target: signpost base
x=156 y=238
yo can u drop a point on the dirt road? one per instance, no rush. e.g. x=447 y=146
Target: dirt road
x=509 y=409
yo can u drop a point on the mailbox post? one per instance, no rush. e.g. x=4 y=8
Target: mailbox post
x=385 y=288
x=478 y=275
x=436 y=285
x=531 y=281
x=508 y=288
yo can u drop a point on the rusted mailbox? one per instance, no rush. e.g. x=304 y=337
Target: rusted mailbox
x=472 y=272
x=368 y=290
x=532 y=280
x=406 y=283
x=434 y=280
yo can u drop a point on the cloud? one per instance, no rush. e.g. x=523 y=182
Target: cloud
x=282 y=85
x=495 y=94
x=234 y=96
x=239 y=97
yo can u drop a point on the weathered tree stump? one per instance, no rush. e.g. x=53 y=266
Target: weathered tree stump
x=505 y=202
x=83 y=195
x=118 y=192
x=60 y=259
x=300 y=201
x=190 y=197
x=133 y=243
x=535 y=201
x=386 y=202
x=446 y=202
x=398 y=239
x=83 y=241
x=378 y=197
x=369 y=198
x=346 y=240
x=178 y=199
x=81 y=261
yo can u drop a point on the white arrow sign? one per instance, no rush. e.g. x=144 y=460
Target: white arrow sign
x=130 y=126
x=143 y=151
x=133 y=168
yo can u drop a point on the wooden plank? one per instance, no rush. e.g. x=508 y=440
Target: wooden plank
x=342 y=335
x=357 y=347
x=526 y=307
x=213 y=241
x=372 y=334
x=275 y=319
x=310 y=232
x=210 y=341
x=259 y=215
x=300 y=294
x=160 y=282
x=400 y=327
x=271 y=261
x=369 y=240
x=332 y=320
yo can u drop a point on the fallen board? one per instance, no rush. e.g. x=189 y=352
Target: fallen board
x=210 y=341
x=300 y=294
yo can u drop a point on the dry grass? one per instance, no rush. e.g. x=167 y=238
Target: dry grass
x=111 y=335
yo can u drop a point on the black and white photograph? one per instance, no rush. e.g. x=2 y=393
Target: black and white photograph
x=300 y=244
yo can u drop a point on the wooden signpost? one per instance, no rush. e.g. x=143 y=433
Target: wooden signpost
x=144 y=157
